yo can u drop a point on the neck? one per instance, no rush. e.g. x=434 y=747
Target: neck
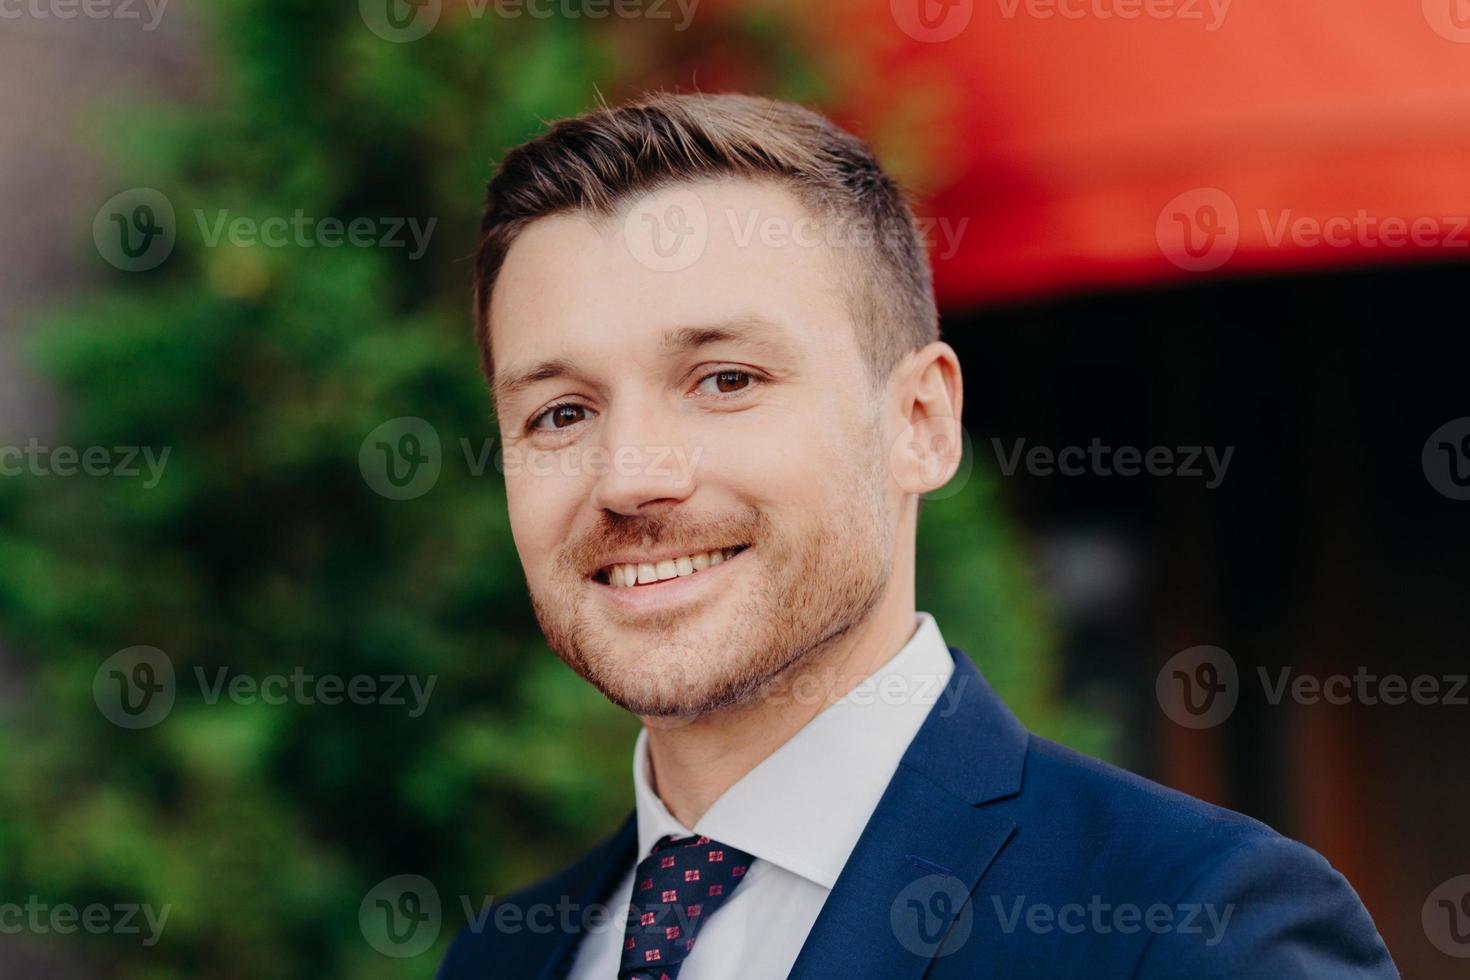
x=694 y=763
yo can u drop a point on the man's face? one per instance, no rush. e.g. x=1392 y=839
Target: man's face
x=695 y=402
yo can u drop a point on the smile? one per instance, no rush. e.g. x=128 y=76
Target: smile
x=634 y=574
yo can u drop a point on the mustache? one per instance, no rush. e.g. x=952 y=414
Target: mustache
x=673 y=532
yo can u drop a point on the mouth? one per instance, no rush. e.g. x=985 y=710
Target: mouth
x=634 y=575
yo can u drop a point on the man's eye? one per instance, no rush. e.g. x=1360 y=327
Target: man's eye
x=726 y=382
x=560 y=416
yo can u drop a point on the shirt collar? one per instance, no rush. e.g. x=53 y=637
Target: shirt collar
x=805 y=805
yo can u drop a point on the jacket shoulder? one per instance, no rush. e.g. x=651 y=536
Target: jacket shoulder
x=1130 y=810
x=1270 y=906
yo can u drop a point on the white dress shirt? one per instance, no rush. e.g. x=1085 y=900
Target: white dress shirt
x=799 y=812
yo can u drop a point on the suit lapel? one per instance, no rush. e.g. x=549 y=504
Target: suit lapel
x=617 y=854
x=905 y=889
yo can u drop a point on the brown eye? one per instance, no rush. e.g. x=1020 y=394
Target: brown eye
x=726 y=382
x=731 y=380
x=560 y=416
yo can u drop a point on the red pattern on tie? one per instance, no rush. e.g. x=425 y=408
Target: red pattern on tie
x=681 y=883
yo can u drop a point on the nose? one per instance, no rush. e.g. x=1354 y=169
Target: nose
x=650 y=468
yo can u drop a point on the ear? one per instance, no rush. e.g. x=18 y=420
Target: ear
x=926 y=449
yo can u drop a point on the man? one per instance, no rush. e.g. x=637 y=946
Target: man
x=711 y=338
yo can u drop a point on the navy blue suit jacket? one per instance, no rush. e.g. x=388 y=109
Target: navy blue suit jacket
x=995 y=853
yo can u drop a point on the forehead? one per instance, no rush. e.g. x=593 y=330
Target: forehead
x=584 y=287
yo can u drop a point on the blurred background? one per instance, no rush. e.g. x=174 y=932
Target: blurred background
x=1204 y=264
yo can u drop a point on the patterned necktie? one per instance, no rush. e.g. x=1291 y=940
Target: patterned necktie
x=675 y=889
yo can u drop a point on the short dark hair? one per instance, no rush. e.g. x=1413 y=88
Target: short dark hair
x=595 y=161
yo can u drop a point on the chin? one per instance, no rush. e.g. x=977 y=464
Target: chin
x=671 y=687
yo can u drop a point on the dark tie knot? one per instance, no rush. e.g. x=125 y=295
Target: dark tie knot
x=669 y=842
x=675 y=890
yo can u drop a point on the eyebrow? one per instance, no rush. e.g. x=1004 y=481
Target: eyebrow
x=514 y=383
x=752 y=330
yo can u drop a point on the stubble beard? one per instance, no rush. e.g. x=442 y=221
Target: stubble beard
x=807 y=595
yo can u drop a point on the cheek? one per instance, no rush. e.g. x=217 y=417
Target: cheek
x=819 y=451
x=789 y=463
x=541 y=509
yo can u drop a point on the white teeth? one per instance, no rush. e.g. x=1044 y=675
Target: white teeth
x=628 y=574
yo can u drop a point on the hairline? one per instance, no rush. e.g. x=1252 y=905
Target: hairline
x=857 y=296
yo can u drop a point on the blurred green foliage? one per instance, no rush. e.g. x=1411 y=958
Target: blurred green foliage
x=263 y=550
